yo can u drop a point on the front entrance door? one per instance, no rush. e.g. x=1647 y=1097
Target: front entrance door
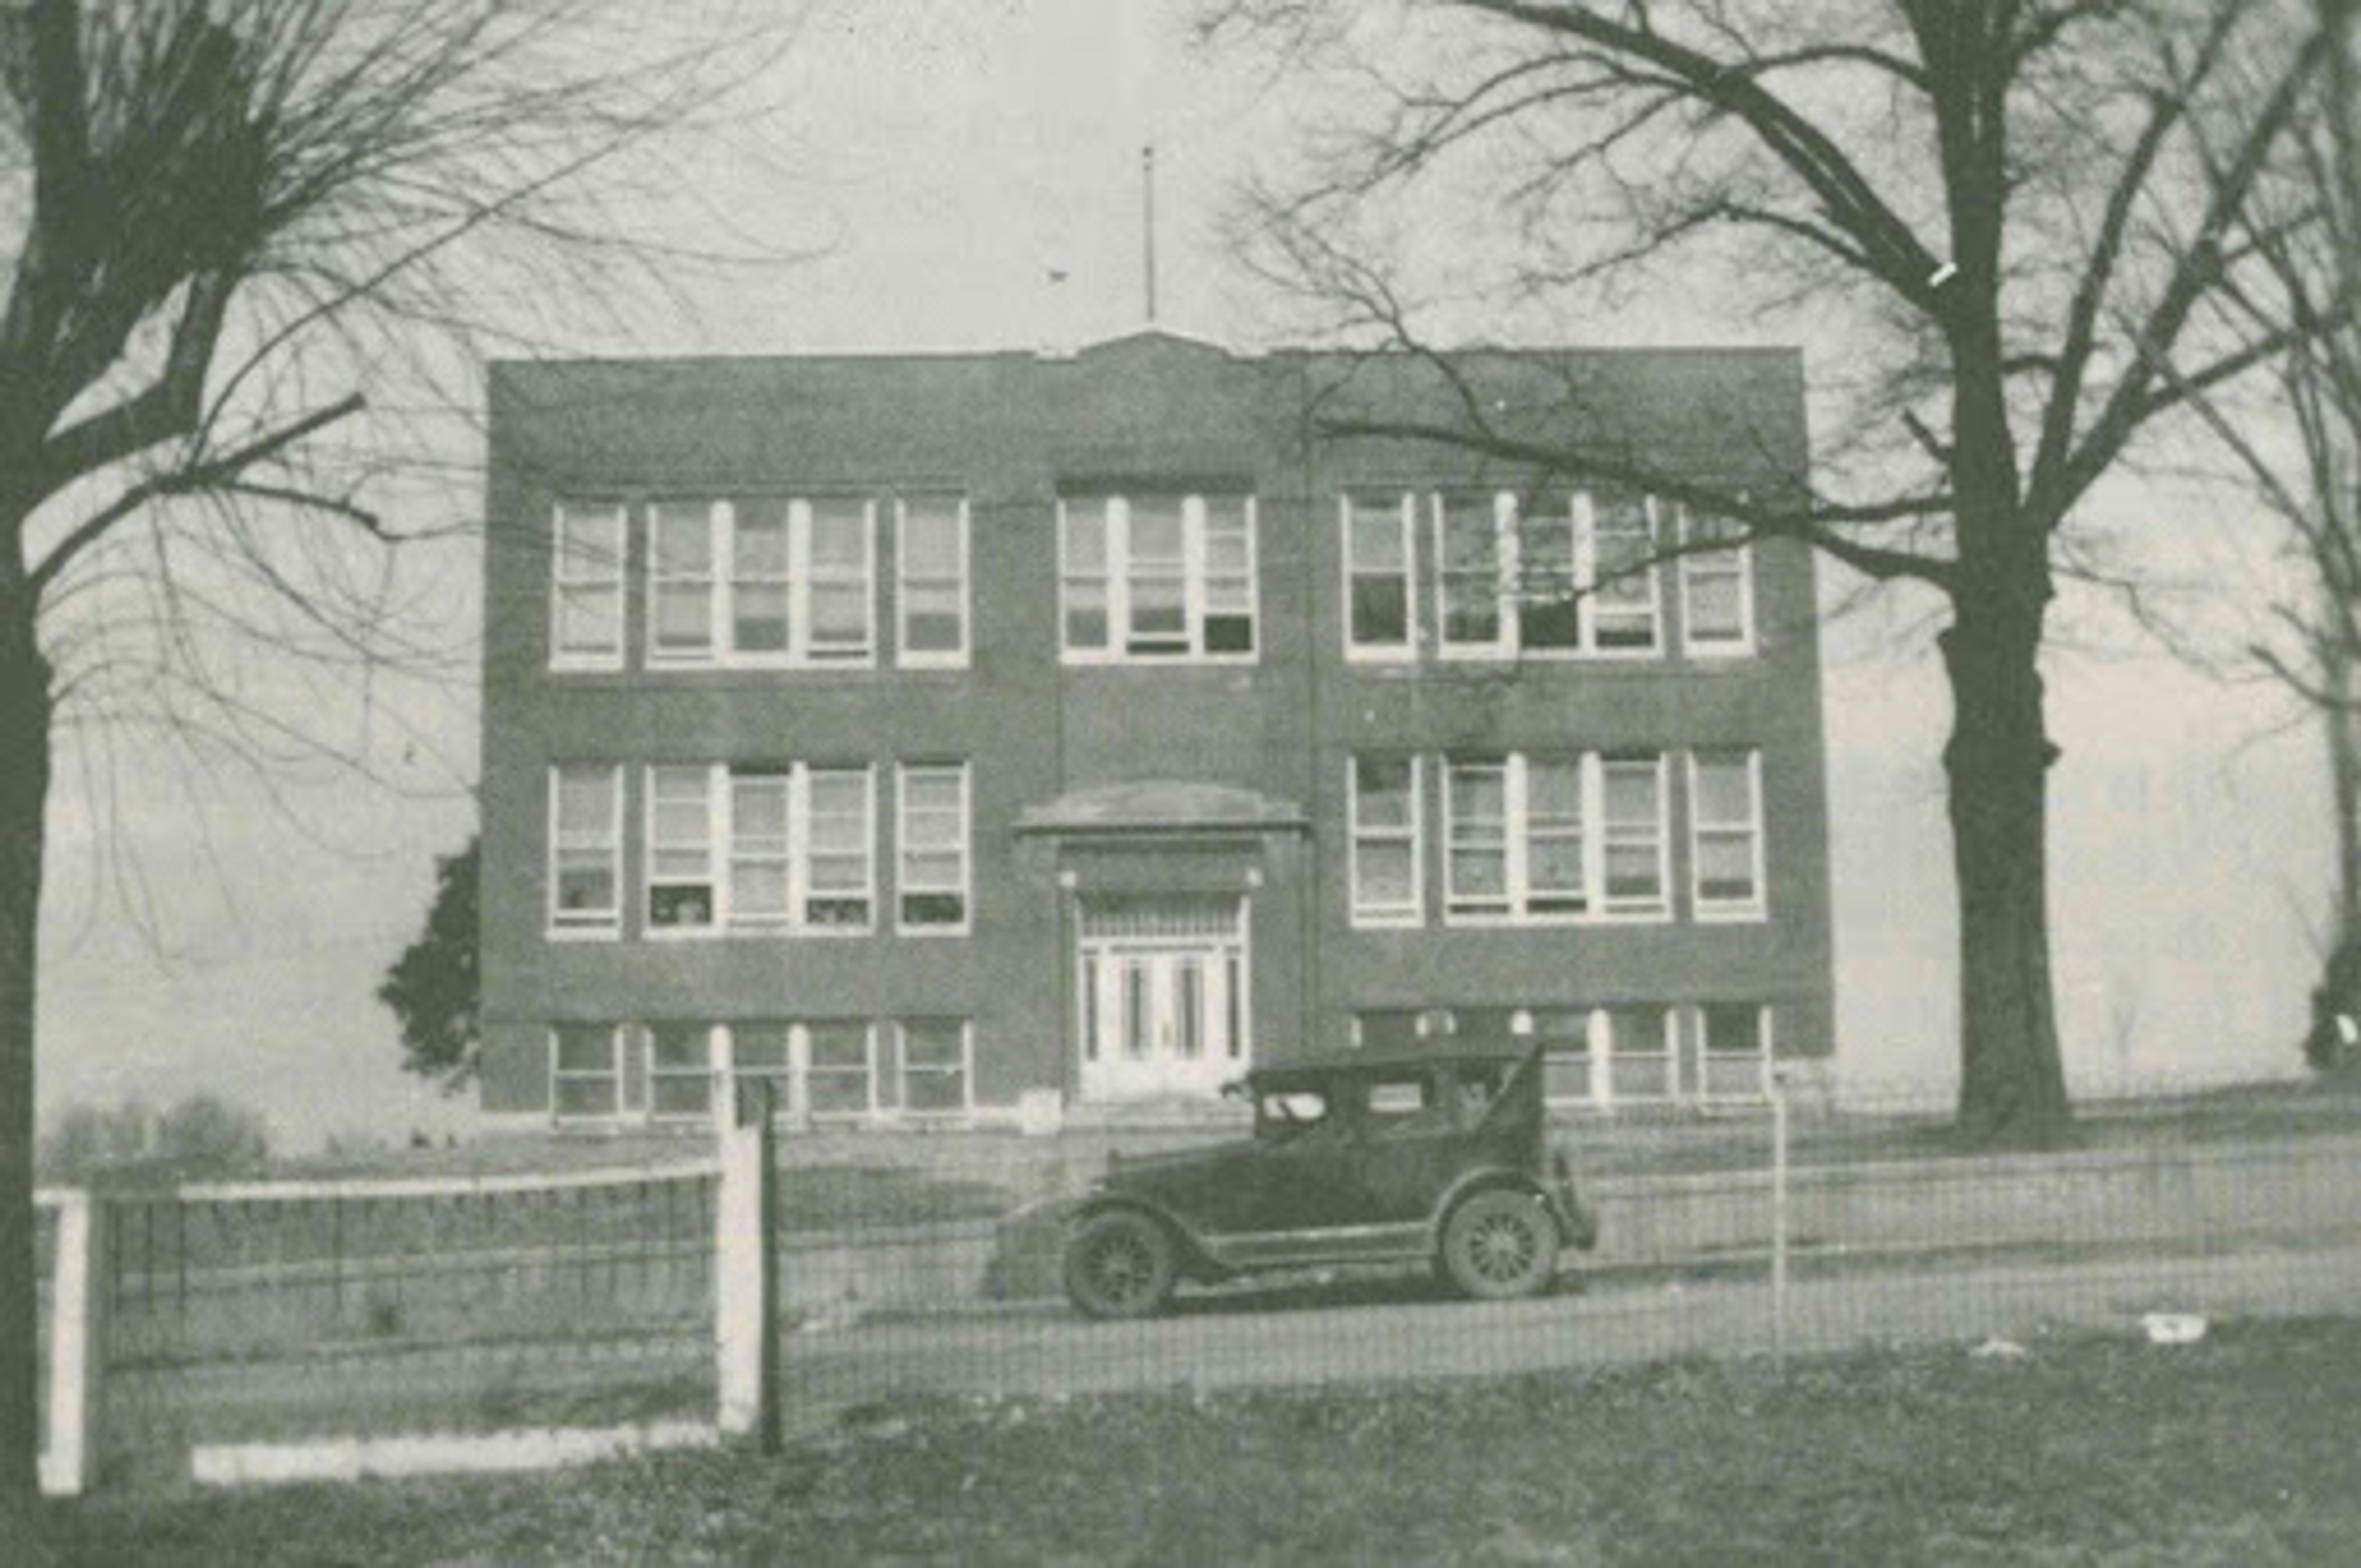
x=1163 y=999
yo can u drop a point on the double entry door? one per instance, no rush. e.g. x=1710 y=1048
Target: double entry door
x=1163 y=999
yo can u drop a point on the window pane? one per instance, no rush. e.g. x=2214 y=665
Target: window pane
x=586 y=1048
x=1631 y=794
x=839 y=613
x=758 y=806
x=1381 y=791
x=1471 y=579
x=930 y=619
x=759 y=1045
x=1555 y=864
x=1479 y=797
x=1725 y=866
x=1086 y=537
x=672 y=1046
x=759 y=549
x=585 y=1096
x=1636 y=1030
x=934 y=909
x=840 y=534
x=930 y=542
x=1732 y=1028
x=684 y=614
x=681 y=1096
x=1479 y=872
x=1631 y=871
x=586 y=802
x=1375 y=539
x=1725 y=791
x=589 y=543
x=1229 y=633
x=1380 y=610
x=1157 y=536
x=758 y=891
x=1716 y=609
x=1554 y=791
x=1385 y=873
x=683 y=539
x=585 y=883
x=759 y=622
x=590 y=619
x=842 y=1044
x=1086 y=615
x=932 y=790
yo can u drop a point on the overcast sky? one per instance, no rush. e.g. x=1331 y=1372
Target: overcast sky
x=969 y=173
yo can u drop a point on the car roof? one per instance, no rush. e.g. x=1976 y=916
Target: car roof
x=1370 y=1063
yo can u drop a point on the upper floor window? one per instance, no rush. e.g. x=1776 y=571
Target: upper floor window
x=1716 y=588
x=931 y=579
x=762 y=580
x=1151 y=578
x=1538 y=575
x=1387 y=854
x=1538 y=837
x=586 y=849
x=1725 y=826
x=785 y=847
x=1380 y=576
x=586 y=590
x=932 y=833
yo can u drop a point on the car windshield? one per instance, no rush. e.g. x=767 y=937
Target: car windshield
x=1286 y=1114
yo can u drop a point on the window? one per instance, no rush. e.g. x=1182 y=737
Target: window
x=1622 y=574
x=1726 y=834
x=1519 y=843
x=1394 y=1029
x=1567 y=1061
x=584 y=1081
x=1387 y=854
x=680 y=1069
x=931 y=803
x=681 y=835
x=760 y=580
x=1639 y=1059
x=586 y=810
x=931 y=586
x=1717 y=589
x=774 y=847
x=934 y=1066
x=1380 y=577
x=1632 y=825
x=1472 y=585
x=1157 y=576
x=760 y=1053
x=586 y=601
x=837 y=1077
x=1550 y=604
x=1736 y=1058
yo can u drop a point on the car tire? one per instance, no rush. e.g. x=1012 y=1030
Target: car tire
x=1500 y=1246
x=1120 y=1264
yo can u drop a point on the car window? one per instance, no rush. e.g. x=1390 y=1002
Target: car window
x=1290 y=1113
x=1403 y=1104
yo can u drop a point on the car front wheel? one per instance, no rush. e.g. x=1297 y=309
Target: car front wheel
x=1500 y=1246
x=1119 y=1264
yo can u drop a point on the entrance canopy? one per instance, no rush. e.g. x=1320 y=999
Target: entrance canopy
x=1161 y=806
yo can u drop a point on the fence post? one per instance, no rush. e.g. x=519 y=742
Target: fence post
x=77 y=1345
x=745 y=1275
x=1779 y=1222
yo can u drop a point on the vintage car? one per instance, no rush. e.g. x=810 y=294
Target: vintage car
x=1441 y=1156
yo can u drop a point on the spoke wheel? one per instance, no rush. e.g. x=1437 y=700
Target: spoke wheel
x=1119 y=1264
x=1500 y=1246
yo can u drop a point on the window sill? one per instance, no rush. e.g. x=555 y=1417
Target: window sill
x=585 y=933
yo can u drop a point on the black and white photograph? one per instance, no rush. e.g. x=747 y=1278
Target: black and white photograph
x=1200 y=782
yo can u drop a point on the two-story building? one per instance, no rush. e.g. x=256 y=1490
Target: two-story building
x=1004 y=737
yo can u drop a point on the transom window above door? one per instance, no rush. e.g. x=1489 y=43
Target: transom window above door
x=1150 y=577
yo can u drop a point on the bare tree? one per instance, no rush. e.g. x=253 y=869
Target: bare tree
x=226 y=222
x=2001 y=221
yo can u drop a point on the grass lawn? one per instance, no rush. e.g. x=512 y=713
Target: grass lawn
x=2237 y=1450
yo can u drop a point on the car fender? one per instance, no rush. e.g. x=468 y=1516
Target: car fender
x=1487 y=1178
x=1195 y=1262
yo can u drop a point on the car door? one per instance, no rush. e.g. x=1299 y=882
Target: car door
x=1410 y=1144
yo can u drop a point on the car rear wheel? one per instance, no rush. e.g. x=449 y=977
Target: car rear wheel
x=1119 y=1264
x=1500 y=1246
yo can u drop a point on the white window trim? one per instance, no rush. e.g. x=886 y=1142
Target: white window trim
x=558 y=1115
x=1585 y=571
x=718 y=806
x=1117 y=580
x=733 y=1078
x=1765 y=1055
x=1603 y=1051
x=1414 y=915
x=1741 y=560
x=1504 y=589
x=902 y=1072
x=609 y=927
x=1581 y=516
x=617 y=582
x=720 y=652
x=708 y=1072
x=1521 y=1027
x=966 y=889
x=1515 y=792
x=1406 y=513
x=931 y=659
x=1726 y=911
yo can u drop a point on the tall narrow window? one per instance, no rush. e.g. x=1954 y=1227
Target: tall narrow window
x=1227 y=613
x=838 y=1079
x=586 y=808
x=932 y=840
x=1716 y=588
x=760 y=1054
x=1726 y=834
x=1632 y=811
x=1155 y=577
x=586 y=601
x=1736 y=1061
x=1468 y=555
x=1640 y=1062
x=1623 y=572
x=680 y=1069
x=1085 y=564
x=1385 y=851
x=1556 y=879
x=839 y=882
x=762 y=580
x=1379 y=568
x=584 y=1080
x=1476 y=807
x=1549 y=602
x=761 y=847
x=841 y=549
x=681 y=883
x=934 y=1066
x=682 y=560
x=931 y=590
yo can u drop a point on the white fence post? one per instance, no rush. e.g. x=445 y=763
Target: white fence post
x=1779 y=1221
x=740 y=1287
x=77 y=1346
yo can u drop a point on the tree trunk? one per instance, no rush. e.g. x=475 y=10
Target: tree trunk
x=2013 y=1080
x=25 y=708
